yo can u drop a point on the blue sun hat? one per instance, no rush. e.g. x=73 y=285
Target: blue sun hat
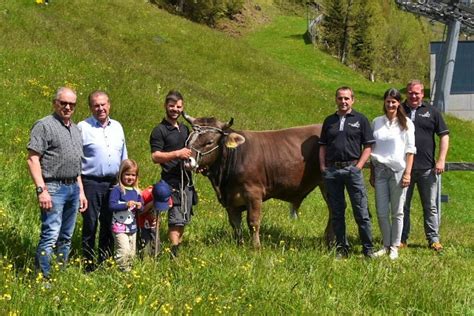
x=161 y=196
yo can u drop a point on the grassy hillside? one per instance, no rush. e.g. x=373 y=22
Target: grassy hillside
x=268 y=79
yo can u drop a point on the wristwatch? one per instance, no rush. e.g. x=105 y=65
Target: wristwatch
x=40 y=189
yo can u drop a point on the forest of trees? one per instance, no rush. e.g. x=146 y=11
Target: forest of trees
x=377 y=38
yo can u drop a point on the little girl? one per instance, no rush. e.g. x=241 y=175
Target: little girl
x=125 y=201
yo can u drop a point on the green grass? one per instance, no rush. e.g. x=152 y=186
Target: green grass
x=268 y=79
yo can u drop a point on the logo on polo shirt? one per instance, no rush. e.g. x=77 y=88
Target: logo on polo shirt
x=355 y=125
x=427 y=114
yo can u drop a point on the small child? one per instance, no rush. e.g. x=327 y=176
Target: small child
x=147 y=225
x=125 y=201
x=157 y=198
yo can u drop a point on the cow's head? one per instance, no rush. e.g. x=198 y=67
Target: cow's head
x=207 y=138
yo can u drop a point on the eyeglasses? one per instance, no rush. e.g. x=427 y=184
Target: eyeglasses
x=72 y=105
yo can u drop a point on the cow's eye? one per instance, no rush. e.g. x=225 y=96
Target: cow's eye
x=209 y=143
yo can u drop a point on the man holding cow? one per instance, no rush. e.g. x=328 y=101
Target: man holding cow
x=167 y=142
x=345 y=146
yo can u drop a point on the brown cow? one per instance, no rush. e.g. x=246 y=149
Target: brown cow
x=248 y=167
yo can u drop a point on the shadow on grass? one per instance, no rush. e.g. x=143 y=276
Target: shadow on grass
x=21 y=249
x=17 y=247
x=306 y=37
x=271 y=237
x=274 y=238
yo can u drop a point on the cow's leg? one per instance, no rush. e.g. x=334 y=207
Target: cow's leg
x=294 y=210
x=235 y=220
x=253 y=220
x=329 y=232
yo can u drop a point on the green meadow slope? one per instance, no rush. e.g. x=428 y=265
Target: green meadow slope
x=265 y=80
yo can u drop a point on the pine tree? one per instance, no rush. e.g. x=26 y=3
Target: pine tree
x=347 y=31
x=364 y=42
x=333 y=26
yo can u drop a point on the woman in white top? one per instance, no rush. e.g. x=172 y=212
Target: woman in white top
x=391 y=163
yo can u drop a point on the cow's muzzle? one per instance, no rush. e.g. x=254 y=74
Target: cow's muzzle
x=191 y=164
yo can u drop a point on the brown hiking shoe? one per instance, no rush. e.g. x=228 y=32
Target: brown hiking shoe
x=436 y=246
x=403 y=245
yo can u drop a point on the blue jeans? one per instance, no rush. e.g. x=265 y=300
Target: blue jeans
x=336 y=181
x=57 y=226
x=426 y=181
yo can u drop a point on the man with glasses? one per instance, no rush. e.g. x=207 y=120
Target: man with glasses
x=428 y=122
x=54 y=162
x=104 y=149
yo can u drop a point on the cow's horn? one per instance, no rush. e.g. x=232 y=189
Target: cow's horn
x=188 y=118
x=228 y=124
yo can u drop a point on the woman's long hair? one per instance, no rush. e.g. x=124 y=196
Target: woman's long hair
x=401 y=115
x=126 y=165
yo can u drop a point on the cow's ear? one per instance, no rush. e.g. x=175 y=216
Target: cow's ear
x=234 y=140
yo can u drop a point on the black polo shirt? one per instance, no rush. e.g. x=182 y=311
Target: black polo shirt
x=166 y=138
x=428 y=121
x=345 y=144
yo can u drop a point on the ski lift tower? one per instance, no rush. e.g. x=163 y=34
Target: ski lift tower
x=458 y=15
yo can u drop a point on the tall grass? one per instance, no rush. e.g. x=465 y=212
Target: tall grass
x=267 y=80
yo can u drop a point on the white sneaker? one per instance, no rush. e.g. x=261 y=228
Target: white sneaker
x=393 y=253
x=381 y=252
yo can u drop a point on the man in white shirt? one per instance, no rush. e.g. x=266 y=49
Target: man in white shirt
x=104 y=149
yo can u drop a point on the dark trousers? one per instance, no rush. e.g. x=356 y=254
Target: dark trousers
x=336 y=181
x=146 y=242
x=97 y=192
